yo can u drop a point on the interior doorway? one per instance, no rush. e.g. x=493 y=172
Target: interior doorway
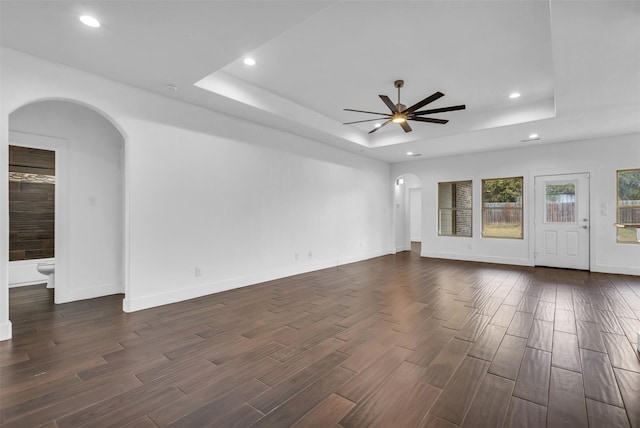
x=89 y=193
x=32 y=213
x=562 y=221
x=408 y=213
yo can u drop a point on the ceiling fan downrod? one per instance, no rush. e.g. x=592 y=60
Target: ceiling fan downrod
x=399 y=84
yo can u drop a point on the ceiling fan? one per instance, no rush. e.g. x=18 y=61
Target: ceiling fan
x=400 y=114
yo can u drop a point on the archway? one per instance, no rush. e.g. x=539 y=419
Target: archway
x=90 y=193
x=407 y=212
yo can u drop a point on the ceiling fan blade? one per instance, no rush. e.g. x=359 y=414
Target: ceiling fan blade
x=440 y=110
x=389 y=103
x=424 y=102
x=429 y=119
x=405 y=126
x=375 y=129
x=364 y=111
x=368 y=120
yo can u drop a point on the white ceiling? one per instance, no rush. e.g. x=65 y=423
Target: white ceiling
x=576 y=64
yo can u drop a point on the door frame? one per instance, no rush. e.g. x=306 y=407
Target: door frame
x=588 y=169
x=61 y=206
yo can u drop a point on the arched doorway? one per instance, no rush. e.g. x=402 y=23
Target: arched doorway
x=89 y=197
x=408 y=212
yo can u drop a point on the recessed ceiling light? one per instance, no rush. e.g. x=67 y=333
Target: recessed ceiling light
x=377 y=125
x=249 y=61
x=89 y=21
x=531 y=137
x=514 y=95
x=409 y=153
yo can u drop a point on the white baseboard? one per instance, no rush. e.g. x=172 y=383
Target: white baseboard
x=87 y=293
x=515 y=261
x=5 y=330
x=150 y=301
x=27 y=284
x=621 y=270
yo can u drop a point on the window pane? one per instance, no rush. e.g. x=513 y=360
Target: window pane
x=454 y=208
x=502 y=208
x=628 y=210
x=560 y=202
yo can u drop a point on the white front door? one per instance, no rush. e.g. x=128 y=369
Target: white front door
x=562 y=221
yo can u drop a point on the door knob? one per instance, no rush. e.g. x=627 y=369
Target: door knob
x=585 y=227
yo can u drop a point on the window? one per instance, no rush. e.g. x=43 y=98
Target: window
x=628 y=206
x=560 y=202
x=502 y=208
x=454 y=208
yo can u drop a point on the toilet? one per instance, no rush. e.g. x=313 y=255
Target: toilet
x=48 y=269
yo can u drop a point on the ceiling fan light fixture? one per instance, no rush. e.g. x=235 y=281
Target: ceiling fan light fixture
x=401 y=115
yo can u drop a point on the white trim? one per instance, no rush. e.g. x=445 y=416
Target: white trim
x=153 y=300
x=61 y=148
x=478 y=258
x=88 y=293
x=5 y=330
x=620 y=270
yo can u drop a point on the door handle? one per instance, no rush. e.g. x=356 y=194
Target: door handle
x=585 y=226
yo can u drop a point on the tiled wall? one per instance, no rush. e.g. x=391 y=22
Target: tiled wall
x=31 y=203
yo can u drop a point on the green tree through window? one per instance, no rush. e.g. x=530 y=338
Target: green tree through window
x=502 y=208
x=628 y=206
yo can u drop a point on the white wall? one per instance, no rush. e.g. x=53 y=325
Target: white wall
x=599 y=157
x=89 y=192
x=243 y=202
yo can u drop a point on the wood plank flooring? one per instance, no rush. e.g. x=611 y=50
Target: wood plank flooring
x=396 y=341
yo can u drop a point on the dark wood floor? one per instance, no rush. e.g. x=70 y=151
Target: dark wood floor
x=397 y=341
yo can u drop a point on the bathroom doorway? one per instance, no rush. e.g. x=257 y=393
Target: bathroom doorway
x=89 y=194
x=31 y=214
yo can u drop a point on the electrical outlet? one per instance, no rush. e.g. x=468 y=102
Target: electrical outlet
x=198 y=271
x=310 y=254
x=296 y=256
